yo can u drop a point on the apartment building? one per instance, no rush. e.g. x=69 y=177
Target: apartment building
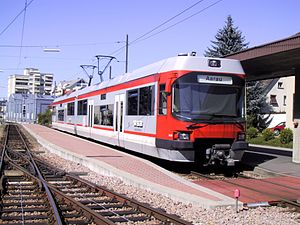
x=31 y=82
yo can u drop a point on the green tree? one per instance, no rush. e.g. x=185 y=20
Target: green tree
x=257 y=106
x=229 y=40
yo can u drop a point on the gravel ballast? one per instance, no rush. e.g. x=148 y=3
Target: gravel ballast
x=196 y=215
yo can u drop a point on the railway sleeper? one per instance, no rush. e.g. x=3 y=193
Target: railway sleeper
x=114 y=212
x=79 y=222
x=72 y=215
x=75 y=190
x=66 y=208
x=25 y=217
x=60 y=182
x=35 y=222
x=88 y=201
x=18 y=197
x=85 y=196
x=131 y=219
x=50 y=177
x=23 y=204
x=13 y=188
x=104 y=206
x=25 y=209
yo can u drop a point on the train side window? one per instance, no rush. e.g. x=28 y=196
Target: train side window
x=162 y=109
x=104 y=115
x=61 y=115
x=146 y=101
x=141 y=101
x=132 y=103
x=103 y=96
x=71 y=109
x=82 y=107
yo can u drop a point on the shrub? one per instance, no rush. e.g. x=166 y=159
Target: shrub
x=252 y=132
x=286 y=136
x=268 y=134
x=45 y=118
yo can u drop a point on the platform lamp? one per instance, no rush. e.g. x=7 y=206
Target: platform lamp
x=51 y=50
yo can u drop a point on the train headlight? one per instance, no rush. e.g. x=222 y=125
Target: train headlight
x=183 y=136
x=241 y=136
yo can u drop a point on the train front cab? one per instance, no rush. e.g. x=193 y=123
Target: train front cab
x=201 y=117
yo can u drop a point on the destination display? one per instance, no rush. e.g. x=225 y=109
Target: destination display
x=212 y=79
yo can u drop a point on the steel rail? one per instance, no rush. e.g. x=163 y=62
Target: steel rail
x=160 y=215
x=53 y=204
x=98 y=219
x=4 y=145
x=2 y=159
x=143 y=208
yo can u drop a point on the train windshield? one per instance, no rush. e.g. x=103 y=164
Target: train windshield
x=194 y=100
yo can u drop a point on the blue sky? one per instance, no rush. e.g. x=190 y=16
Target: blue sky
x=83 y=29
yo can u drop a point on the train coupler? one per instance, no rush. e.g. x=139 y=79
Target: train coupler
x=226 y=154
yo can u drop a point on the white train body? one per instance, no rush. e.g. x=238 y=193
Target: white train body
x=139 y=110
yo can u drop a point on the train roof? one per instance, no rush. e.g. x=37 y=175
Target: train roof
x=186 y=63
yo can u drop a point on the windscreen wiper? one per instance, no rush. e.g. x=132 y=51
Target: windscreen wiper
x=185 y=117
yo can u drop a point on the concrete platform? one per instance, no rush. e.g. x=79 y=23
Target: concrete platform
x=271 y=160
x=132 y=170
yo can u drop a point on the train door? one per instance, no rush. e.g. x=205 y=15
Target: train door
x=119 y=110
x=90 y=118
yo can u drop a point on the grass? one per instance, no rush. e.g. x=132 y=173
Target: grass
x=274 y=142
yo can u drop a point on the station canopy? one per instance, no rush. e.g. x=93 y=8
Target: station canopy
x=272 y=60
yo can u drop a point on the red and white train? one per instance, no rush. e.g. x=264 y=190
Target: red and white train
x=184 y=108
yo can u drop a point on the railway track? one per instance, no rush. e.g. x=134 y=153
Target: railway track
x=282 y=202
x=78 y=201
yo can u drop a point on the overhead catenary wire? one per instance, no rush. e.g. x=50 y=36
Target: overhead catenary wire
x=139 y=39
x=22 y=35
x=56 y=45
x=20 y=13
x=167 y=28
x=160 y=25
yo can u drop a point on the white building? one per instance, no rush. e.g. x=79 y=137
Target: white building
x=31 y=82
x=280 y=95
x=65 y=87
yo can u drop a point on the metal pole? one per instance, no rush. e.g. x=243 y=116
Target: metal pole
x=110 y=72
x=126 y=64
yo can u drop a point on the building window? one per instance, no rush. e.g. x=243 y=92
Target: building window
x=284 y=100
x=82 y=107
x=280 y=85
x=273 y=101
x=104 y=115
x=141 y=101
x=162 y=100
x=71 y=109
x=61 y=115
